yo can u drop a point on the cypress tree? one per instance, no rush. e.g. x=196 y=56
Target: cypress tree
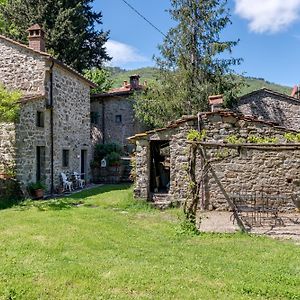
x=192 y=63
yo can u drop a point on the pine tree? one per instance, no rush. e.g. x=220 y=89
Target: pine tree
x=69 y=25
x=192 y=64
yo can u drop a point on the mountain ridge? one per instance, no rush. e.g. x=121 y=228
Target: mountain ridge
x=148 y=74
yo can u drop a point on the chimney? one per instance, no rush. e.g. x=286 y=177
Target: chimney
x=296 y=92
x=36 y=37
x=216 y=102
x=135 y=81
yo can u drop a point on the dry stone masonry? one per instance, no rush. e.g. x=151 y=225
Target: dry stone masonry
x=268 y=168
x=27 y=144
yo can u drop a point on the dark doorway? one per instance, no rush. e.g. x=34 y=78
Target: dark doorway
x=160 y=167
x=83 y=164
x=40 y=163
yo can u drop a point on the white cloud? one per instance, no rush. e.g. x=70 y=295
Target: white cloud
x=268 y=15
x=123 y=54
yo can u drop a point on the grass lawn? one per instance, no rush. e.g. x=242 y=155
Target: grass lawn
x=101 y=244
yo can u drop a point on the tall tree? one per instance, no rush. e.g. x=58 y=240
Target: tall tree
x=101 y=77
x=192 y=63
x=71 y=35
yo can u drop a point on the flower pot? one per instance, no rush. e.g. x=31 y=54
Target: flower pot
x=39 y=194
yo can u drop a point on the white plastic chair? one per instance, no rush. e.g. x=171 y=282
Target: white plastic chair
x=80 y=182
x=67 y=185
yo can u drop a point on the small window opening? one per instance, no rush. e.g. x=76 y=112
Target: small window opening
x=66 y=158
x=95 y=117
x=118 y=119
x=40 y=119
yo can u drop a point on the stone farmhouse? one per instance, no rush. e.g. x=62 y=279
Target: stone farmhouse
x=53 y=132
x=272 y=106
x=112 y=114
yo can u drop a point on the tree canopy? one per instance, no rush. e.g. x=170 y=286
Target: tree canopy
x=71 y=35
x=9 y=107
x=101 y=77
x=192 y=63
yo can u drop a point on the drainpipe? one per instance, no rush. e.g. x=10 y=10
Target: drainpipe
x=103 y=122
x=50 y=106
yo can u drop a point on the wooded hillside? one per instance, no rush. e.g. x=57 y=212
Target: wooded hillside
x=148 y=74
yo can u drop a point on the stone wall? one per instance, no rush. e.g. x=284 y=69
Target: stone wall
x=115 y=130
x=237 y=170
x=7 y=146
x=142 y=182
x=25 y=70
x=72 y=123
x=179 y=153
x=29 y=136
x=21 y=68
x=272 y=106
x=250 y=171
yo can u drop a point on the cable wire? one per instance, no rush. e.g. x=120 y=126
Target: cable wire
x=149 y=22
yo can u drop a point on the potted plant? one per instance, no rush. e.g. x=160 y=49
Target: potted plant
x=36 y=189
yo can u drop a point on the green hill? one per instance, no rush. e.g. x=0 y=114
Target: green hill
x=148 y=74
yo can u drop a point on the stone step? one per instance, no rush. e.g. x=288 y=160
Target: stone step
x=161 y=201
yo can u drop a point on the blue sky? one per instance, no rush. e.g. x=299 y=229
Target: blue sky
x=269 y=33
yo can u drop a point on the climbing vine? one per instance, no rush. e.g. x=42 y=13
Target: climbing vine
x=197 y=136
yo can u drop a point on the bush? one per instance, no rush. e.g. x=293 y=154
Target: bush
x=9 y=108
x=113 y=158
x=111 y=152
x=10 y=193
x=33 y=186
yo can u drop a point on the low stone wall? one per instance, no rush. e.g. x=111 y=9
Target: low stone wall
x=269 y=169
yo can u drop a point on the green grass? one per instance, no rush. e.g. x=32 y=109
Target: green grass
x=101 y=244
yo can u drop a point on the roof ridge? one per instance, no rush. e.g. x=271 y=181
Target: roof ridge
x=271 y=92
x=47 y=55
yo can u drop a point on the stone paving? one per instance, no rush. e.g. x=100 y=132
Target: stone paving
x=221 y=222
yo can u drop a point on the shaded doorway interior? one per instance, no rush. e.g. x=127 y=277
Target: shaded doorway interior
x=160 y=166
x=83 y=164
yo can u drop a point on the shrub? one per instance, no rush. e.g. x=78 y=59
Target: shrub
x=113 y=158
x=9 y=108
x=111 y=152
x=33 y=186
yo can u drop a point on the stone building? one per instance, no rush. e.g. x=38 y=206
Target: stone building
x=53 y=131
x=271 y=106
x=112 y=114
x=163 y=159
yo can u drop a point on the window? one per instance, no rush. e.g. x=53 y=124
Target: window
x=40 y=163
x=118 y=119
x=94 y=117
x=65 y=158
x=40 y=119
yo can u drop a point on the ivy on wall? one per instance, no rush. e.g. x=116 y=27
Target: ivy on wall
x=9 y=107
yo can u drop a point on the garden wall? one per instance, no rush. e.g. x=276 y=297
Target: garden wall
x=271 y=169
